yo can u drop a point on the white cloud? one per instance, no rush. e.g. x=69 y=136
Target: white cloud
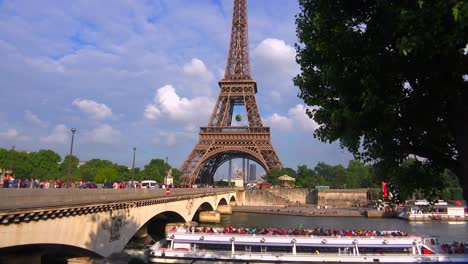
x=198 y=69
x=275 y=55
x=93 y=109
x=152 y=112
x=280 y=122
x=297 y=118
x=166 y=139
x=169 y=105
x=276 y=94
x=32 y=117
x=10 y=133
x=105 y=134
x=172 y=138
x=59 y=134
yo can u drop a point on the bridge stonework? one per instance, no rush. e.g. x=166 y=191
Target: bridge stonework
x=102 y=227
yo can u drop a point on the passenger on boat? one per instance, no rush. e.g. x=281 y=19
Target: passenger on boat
x=295 y=232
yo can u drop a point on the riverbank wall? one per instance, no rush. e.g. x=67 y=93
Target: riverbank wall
x=332 y=198
x=299 y=210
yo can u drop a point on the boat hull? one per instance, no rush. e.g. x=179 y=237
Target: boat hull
x=306 y=258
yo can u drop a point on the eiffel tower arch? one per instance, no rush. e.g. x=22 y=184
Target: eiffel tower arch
x=220 y=141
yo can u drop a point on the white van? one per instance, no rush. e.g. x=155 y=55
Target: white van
x=149 y=184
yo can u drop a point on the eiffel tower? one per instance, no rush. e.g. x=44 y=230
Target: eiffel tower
x=220 y=141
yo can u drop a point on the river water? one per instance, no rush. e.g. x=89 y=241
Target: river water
x=446 y=231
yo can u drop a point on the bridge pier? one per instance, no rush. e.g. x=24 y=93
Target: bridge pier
x=21 y=259
x=210 y=217
x=81 y=260
x=225 y=209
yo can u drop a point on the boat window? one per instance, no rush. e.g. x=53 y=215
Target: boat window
x=258 y=248
x=217 y=247
x=385 y=250
x=306 y=249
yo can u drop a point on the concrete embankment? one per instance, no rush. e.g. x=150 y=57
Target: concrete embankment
x=332 y=198
x=300 y=210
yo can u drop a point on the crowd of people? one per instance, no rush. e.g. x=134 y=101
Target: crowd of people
x=318 y=231
x=455 y=248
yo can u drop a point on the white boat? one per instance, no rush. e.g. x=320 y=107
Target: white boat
x=188 y=247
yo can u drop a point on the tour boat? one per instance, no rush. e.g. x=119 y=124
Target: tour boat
x=183 y=246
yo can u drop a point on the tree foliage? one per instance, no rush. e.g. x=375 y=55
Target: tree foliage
x=44 y=163
x=388 y=79
x=156 y=170
x=48 y=165
x=106 y=174
x=357 y=175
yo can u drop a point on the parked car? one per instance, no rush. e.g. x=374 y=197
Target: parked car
x=88 y=185
x=108 y=185
x=148 y=184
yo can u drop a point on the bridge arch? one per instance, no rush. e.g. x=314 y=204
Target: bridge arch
x=222 y=201
x=232 y=200
x=43 y=253
x=207 y=167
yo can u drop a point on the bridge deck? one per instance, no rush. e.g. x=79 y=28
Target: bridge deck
x=24 y=199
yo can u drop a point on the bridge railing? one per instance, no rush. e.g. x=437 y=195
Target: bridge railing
x=14 y=199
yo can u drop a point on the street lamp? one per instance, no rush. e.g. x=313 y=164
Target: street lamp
x=133 y=167
x=165 y=177
x=73 y=130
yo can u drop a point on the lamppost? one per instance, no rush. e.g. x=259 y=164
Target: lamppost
x=165 y=177
x=73 y=130
x=133 y=167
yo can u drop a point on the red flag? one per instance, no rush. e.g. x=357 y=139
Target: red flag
x=384 y=189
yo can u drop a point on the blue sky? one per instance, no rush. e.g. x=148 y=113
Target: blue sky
x=144 y=74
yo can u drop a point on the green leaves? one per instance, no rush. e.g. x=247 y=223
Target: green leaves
x=359 y=88
x=48 y=165
x=456 y=10
x=357 y=175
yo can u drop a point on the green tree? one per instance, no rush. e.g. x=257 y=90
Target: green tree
x=305 y=177
x=333 y=176
x=155 y=170
x=21 y=164
x=273 y=174
x=106 y=174
x=414 y=179
x=45 y=164
x=360 y=175
x=4 y=162
x=90 y=169
x=75 y=172
x=452 y=190
x=176 y=175
x=385 y=79
x=123 y=173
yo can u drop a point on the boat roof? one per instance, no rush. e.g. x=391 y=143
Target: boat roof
x=315 y=241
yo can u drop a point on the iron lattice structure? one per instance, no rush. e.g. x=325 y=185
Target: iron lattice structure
x=220 y=141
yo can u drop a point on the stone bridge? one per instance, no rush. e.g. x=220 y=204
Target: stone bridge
x=98 y=221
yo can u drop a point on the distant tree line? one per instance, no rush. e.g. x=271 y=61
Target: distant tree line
x=48 y=165
x=408 y=178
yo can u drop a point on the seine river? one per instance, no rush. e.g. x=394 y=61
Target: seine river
x=446 y=231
